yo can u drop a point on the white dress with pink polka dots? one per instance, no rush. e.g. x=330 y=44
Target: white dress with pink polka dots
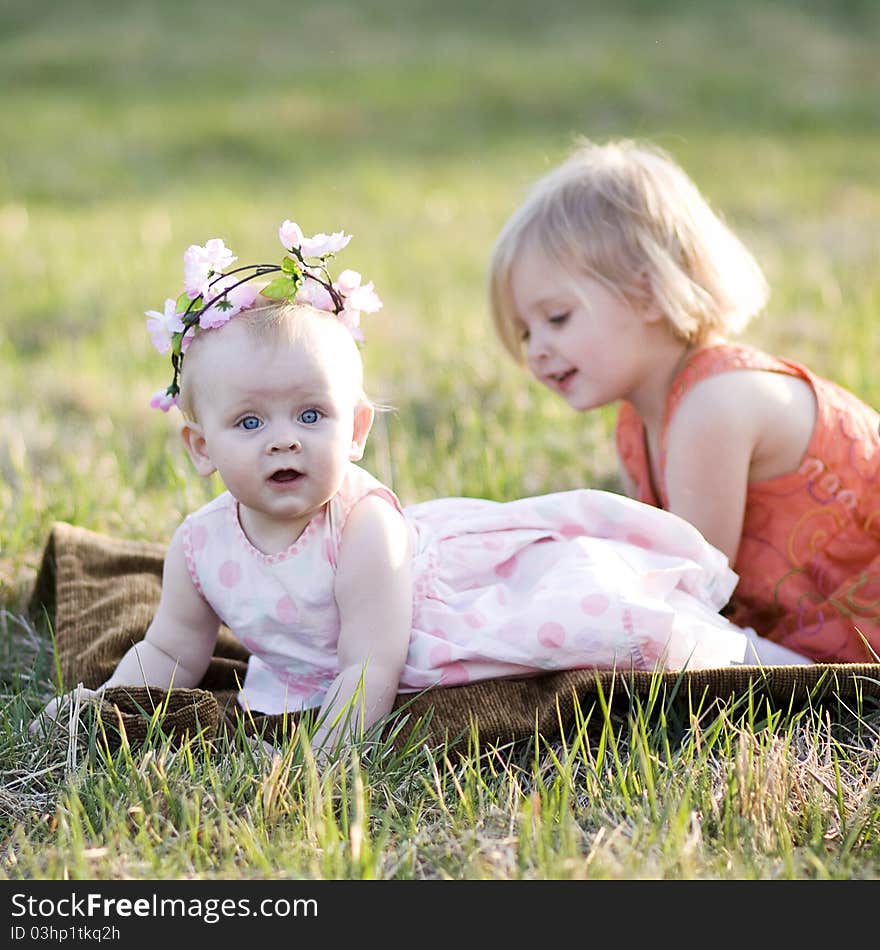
x=575 y=579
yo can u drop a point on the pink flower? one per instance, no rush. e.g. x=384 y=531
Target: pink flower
x=162 y=326
x=321 y=244
x=290 y=234
x=200 y=263
x=351 y=319
x=363 y=298
x=233 y=301
x=314 y=293
x=240 y=297
x=357 y=298
x=161 y=400
x=243 y=296
x=216 y=316
x=347 y=281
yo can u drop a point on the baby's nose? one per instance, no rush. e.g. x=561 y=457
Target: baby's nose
x=285 y=444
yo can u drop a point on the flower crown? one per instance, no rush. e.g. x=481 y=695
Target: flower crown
x=214 y=293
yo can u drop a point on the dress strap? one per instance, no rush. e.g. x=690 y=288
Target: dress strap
x=714 y=360
x=357 y=484
x=701 y=364
x=632 y=451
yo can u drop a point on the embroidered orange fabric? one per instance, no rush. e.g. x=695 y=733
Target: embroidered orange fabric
x=809 y=557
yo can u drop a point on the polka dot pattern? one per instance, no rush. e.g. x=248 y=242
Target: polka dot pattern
x=595 y=604
x=551 y=635
x=198 y=537
x=499 y=589
x=286 y=610
x=229 y=573
x=506 y=568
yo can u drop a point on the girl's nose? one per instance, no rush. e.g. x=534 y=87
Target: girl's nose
x=536 y=348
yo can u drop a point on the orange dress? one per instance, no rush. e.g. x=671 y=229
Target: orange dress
x=809 y=557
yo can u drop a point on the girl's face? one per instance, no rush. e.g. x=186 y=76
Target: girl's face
x=583 y=341
x=279 y=422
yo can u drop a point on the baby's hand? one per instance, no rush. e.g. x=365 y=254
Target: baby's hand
x=69 y=701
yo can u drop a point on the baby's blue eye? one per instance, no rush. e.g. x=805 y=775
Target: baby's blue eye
x=309 y=416
x=250 y=423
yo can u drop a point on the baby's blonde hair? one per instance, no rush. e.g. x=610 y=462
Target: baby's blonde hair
x=282 y=324
x=627 y=215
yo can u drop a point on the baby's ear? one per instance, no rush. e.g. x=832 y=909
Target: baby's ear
x=363 y=422
x=194 y=440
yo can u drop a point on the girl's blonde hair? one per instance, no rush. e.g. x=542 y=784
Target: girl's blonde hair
x=281 y=324
x=627 y=215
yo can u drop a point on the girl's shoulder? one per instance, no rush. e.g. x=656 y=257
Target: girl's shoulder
x=711 y=365
x=722 y=358
x=763 y=384
x=735 y=379
x=726 y=394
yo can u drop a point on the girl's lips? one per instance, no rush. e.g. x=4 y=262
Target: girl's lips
x=563 y=381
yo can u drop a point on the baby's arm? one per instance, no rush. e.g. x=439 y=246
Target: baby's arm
x=177 y=646
x=374 y=595
x=179 y=643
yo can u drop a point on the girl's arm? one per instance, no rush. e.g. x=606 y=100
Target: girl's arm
x=708 y=455
x=730 y=429
x=628 y=486
x=374 y=595
x=177 y=646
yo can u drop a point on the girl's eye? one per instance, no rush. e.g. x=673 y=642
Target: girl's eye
x=558 y=318
x=249 y=423
x=309 y=416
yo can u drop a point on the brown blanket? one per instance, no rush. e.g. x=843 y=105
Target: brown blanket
x=99 y=593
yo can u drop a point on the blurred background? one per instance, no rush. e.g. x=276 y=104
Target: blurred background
x=131 y=130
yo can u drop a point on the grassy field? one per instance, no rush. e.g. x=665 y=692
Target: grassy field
x=134 y=130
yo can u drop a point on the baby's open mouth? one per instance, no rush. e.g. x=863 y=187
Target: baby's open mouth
x=285 y=475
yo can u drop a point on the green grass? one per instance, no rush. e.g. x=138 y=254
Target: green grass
x=663 y=792
x=133 y=130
